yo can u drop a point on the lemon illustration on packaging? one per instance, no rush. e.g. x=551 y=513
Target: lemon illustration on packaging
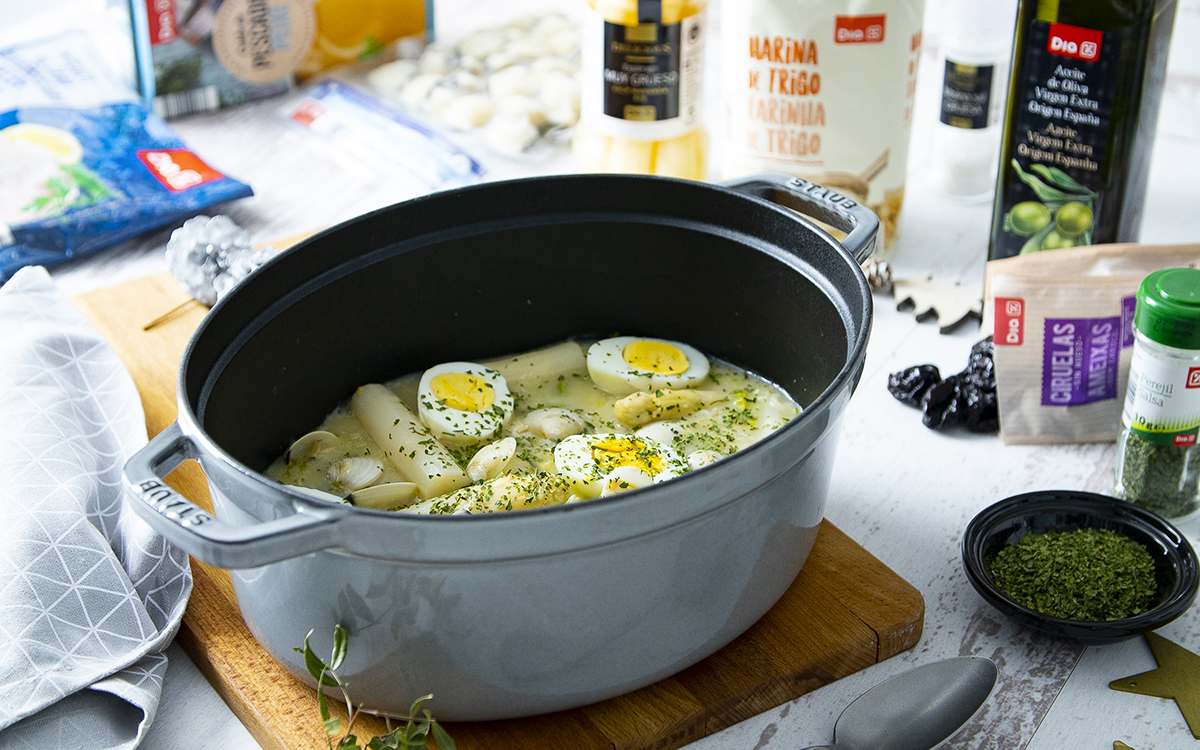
x=64 y=147
x=42 y=173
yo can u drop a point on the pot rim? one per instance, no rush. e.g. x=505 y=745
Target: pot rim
x=809 y=416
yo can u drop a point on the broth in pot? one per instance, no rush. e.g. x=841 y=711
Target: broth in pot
x=566 y=423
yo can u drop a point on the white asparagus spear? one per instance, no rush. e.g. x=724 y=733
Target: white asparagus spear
x=542 y=365
x=407 y=443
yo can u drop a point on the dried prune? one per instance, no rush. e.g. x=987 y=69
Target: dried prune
x=967 y=398
x=911 y=384
x=983 y=414
x=981 y=365
x=943 y=405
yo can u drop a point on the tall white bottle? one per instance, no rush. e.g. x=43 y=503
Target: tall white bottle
x=974 y=51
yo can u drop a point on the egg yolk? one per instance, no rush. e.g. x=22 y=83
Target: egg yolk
x=655 y=356
x=609 y=453
x=462 y=391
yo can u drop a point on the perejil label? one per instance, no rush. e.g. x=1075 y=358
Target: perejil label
x=1162 y=403
x=823 y=89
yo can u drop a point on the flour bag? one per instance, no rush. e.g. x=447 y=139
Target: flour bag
x=823 y=89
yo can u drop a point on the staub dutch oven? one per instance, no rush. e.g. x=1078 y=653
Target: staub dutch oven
x=526 y=612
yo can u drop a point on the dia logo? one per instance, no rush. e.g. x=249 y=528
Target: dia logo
x=1075 y=41
x=1010 y=321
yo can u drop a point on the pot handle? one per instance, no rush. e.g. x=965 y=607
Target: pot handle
x=829 y=206
x=204 y=536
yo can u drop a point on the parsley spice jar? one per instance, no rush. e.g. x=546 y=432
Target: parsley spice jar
x=1158 y=461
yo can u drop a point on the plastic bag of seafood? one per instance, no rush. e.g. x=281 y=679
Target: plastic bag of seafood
x=84 y=163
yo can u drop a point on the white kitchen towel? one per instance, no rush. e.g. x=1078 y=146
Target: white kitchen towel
x=90 y=596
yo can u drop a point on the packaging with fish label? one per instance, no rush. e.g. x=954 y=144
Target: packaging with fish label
x=83 y=162
x=1062 y=323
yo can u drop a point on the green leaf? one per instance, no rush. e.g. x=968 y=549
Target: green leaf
x=383 y=742
x=1044 y=192
x=1061 y=179
x=312 y=662
x=442 y=738
x=340 y=641
x=37 y=204
x=322 y=705
x=412 y=735
x=91 y=184
x=1034 y=243
x=415 y=709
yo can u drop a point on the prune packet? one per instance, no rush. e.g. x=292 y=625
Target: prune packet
x=1063 y=329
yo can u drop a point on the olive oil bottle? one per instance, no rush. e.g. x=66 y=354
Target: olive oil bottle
x=1079 y=125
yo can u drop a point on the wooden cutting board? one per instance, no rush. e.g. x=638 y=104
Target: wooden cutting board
x=845 y=611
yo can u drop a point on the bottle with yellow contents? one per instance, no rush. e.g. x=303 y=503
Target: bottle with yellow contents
x=642 y=70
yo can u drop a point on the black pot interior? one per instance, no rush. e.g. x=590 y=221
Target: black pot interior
x=507 y=267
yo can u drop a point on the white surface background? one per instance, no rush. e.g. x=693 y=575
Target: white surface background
x=904 y=492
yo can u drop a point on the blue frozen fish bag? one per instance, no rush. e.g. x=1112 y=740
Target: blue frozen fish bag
x=83 y=163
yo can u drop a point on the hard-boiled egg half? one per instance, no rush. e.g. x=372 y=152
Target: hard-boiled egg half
x=625 y=364
x=607 y=463
x=463 y=403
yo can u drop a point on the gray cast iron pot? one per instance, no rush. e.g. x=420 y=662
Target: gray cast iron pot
x=527 y=612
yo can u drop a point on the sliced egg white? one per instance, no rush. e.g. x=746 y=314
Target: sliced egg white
x=625 y=364
x=463 y=403
x=590 y=461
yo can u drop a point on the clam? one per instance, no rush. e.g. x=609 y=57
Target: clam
x=491 y=461
x=467 y=112
x=699 y=458
x=664 y=432
x=352 y=474
x=383 y=496
x=304 y=449
x=318 y=494
x=552 y=423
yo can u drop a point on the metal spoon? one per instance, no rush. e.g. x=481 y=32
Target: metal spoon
x=915 y=710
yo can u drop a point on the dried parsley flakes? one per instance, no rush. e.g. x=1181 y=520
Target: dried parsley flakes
x=1086 y=574
x=1164 y=479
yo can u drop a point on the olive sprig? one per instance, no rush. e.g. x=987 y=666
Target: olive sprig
x=411 y=734
x=1062 y=218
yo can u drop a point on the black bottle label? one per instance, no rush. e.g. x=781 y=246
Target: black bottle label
x=641 y=71
x=1057 y=144
x=966 y=95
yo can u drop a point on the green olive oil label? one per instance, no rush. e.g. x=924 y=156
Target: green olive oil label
x=1064 y=111
x=967 y=95
x=1162 y=402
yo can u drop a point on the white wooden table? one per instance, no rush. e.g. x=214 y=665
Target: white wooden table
x=904 y=492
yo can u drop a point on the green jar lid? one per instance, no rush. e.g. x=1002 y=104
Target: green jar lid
x=1168 y=307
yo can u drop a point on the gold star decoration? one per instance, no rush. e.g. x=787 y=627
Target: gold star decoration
x=1177 y=677
x=1118 y=745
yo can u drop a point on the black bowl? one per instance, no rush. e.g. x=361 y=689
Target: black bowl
x=1006 y=522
